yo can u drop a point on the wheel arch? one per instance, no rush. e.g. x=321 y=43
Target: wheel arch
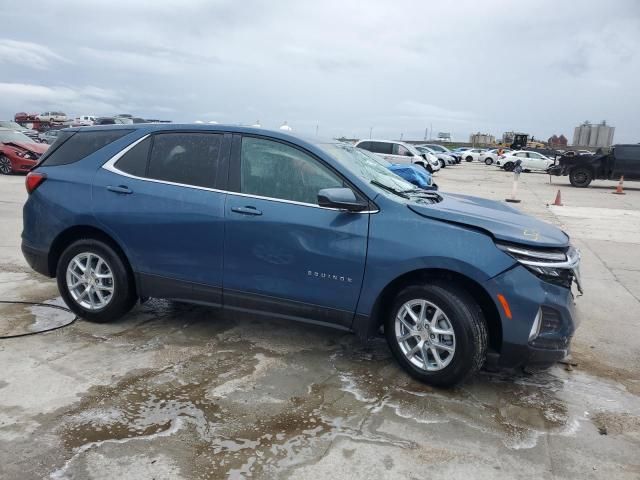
x=71 y=234
x=489 y=309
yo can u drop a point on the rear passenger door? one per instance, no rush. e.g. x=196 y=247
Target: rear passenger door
x=161 y=199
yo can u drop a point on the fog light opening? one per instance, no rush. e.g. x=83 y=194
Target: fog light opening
x=535 y=328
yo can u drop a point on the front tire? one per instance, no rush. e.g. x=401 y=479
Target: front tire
x=508 y=166
x=442 y=163
x=488 y=161
x=94 y=281
x=580 y=177
x=439 y=337
x=5 y=165
x=469 y=158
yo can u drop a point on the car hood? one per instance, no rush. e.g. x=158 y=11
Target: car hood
x=501 y=221
x=31 y=147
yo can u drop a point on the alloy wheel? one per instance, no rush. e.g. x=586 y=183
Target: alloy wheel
x=90 y=281
x=5 y=165
x=425 y=335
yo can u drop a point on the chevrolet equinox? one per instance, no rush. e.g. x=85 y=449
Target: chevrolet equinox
x=254 y=221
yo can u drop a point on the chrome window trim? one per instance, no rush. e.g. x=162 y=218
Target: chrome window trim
x=110 y=166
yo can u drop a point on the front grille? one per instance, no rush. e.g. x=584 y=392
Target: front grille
x=551 y=321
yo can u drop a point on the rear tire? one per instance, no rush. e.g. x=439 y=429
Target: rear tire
x=97 y=268
x=461 y=352
x=488 y=161
x=442 y=163
x=580 y=177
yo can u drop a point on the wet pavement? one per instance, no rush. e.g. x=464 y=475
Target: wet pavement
x=177 y=391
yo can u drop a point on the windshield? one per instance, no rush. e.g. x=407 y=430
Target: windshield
x=367 y=166
x=15 y=137
x=425 y=149
x=12 y=125
x=438 y=148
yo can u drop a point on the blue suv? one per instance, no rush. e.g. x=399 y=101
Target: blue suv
x=260 y=222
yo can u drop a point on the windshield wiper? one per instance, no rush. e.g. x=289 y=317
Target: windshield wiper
x=389 y=189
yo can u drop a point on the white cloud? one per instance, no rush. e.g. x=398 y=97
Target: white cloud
x=28 y=54
x=541 y=66
x=36 y=98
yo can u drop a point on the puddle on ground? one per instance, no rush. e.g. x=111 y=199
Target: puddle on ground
x=21 y=319
x=225 y=405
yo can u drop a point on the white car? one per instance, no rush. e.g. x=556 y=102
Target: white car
x=442 y=149
x=52 y=117
x=530 y=161
x=443 y=158
x=472 y=154
x=490 y=156
x=400 y=152
x=85 y=120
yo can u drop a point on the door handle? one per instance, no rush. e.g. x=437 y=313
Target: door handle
x=120 y=189
x=246 y=210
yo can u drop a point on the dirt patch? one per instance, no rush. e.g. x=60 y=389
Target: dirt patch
x=616 y=423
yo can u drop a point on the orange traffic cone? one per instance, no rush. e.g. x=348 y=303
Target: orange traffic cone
x=558 y=201
x=619 y=187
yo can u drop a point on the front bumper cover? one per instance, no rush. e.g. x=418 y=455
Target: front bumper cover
x=526 y=295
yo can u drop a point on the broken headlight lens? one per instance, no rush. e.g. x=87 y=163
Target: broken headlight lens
x=558 y=266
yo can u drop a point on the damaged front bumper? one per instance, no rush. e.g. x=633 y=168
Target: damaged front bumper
x=538 y=326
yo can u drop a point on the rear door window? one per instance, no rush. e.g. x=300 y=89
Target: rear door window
x=186 y=158
x=70 y=147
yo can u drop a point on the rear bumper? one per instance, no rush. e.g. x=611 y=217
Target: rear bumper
x=37 y=259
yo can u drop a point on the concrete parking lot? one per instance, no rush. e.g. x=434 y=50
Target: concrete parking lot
x=176 y=391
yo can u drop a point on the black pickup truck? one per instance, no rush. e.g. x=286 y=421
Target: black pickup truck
x=623 y=160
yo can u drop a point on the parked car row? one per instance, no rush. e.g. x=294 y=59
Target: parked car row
x=401 y=152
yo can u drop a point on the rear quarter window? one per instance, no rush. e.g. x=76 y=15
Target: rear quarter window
x=70 y=147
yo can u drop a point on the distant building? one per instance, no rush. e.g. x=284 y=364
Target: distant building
x=558 y=141
x=589 y=135
x=444 y=136
x=481 y=139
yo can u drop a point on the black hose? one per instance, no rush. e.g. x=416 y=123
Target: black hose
x=37 y=304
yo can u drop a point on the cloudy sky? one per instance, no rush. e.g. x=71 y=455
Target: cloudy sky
x=397 y=67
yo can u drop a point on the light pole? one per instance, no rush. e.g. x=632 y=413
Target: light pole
x=370 y=132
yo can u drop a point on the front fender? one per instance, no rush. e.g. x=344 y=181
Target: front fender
x=401 y=244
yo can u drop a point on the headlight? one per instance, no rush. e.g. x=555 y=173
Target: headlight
x=558 y=266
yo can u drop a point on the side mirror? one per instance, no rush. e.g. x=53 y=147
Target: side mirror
x=342 y=198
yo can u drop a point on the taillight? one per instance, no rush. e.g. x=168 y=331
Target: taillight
x=33 y=180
